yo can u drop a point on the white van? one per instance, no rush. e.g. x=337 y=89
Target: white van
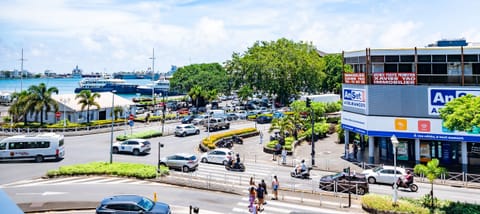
x=35 y=147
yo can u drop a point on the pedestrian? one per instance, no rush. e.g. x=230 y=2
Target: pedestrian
x=261 y=137
x=275 y=185
x=260 y=197
x=147 y=118
x=251 y=198
x=252 y=182
x=264 y=186
x=355 y=150
x=284 y=156
x=277 y=151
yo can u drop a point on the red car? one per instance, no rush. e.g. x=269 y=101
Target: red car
x=182 y=111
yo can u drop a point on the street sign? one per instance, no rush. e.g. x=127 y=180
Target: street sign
x=130 y=123
x=130 y=117
x=57 y=114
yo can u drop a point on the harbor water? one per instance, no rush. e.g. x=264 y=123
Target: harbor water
x=64 y=85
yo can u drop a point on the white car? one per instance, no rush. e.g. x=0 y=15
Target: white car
x=134 y=146
x=200 y=119
x=383 y=174
x=186 y=129
x=220 y=156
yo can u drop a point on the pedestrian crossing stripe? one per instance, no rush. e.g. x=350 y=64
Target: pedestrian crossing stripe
x=79 y=180
x=282 y=207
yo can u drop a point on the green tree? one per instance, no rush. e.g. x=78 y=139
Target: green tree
x=40 y=97
x=208 y=76
x=334 y=73
x=195 y=93
x=117 y=110
x=282 y=124
x=20 y=106
x=432 y=171
x=281 y=68
x=462 y=114
x=244 y=93
x=87 y=99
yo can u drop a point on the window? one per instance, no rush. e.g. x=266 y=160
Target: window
x=424 y=69
x=407 y=58
x=439 y=58
x=406 y=68
x=391 y=58
x=470 y=58
x=3 y=146
x=60 y=143
x=377 y=58
x=454 y=58
x=391 y=68
x=439 y=68
x=424 y=58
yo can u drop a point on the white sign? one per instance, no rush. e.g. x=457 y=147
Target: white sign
x=438 y=97
x=355 y=98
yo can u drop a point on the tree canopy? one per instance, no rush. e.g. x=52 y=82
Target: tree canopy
x=462 y=114
x=282 y=68
x=208 y=76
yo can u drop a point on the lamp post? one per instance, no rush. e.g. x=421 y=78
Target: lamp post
x=111 y=132
x=160 y=145
x=395 y=145
x=164 y=107
x=64 y=101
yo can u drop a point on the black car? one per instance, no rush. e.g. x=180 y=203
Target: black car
x=343 y=182
x=188 y=119
x=264 y=119
x=132 y=204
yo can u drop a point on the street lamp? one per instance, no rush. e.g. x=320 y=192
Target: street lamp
x=111 y=132
x=64 y=101
x=395 y=145
x=164 y=107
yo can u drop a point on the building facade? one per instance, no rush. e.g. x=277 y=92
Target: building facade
x=399 y=92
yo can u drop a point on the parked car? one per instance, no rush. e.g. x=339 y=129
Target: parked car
x=134 y=146
x=182 y=161
x=131 y=204
x=140 y=110
x=264 y=119
x=186 y=129
x=355 y=183
x=187 y=119
x=241 y=114
x=219 y=155
x=232 y=116
x=183 y=111
x=200 y=119
x=216 y=123
x=383 y=174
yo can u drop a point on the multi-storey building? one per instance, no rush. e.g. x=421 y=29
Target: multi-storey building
x=399 y=92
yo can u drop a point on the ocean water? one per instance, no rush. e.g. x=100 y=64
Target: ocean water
x=64 y=85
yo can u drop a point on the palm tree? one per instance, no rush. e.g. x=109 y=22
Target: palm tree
x=211 y=95
x=117 y=110
x=282 y=124
x=19 y=106
x=432 y=171
x=40 y=98
x=298 y=123
x=87 y=99
x=195 y=93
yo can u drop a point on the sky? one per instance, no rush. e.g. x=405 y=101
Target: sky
x=120 y=35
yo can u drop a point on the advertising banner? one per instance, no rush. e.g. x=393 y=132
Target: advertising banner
x=354 y=78
x=438 y=97
x=394 y=78
x=355 y=98
x=402 y=151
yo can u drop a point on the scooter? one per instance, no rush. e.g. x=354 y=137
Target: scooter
x=232 y=167
x=224 y=144
x=400 y=184
x=303 y=175
x=237 y=139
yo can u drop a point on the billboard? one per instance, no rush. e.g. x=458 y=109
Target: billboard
x=355 y=98
x=438 y=97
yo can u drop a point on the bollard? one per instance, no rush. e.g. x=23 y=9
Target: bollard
x=155 y=196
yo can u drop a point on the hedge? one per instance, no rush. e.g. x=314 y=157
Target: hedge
x=140 y=171
x=141 y=135
x=210 y=141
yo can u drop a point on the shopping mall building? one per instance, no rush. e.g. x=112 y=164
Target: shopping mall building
x=399 y=92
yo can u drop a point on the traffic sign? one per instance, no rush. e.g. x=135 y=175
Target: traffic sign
x=57 y=114
x=130 y=122
x=130 y=117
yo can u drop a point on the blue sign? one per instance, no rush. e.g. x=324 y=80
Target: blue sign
x=130 y=122
x=438 y=97
x=355 y=98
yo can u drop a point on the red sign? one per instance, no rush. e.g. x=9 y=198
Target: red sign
x=57 y=114
x=424 y=125
x=130 y=117
x=354 y=78
x=394 y=78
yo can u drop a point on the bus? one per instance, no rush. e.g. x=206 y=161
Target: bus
x=38 y=147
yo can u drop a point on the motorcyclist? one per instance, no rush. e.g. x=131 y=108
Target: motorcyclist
x=301 y=168
x=406 y=180
x=237 y=161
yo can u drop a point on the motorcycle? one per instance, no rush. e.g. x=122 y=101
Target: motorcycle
x=237 y=139
x=303 y=175
x=400 y=184
x=230 y=166
x=223 y=143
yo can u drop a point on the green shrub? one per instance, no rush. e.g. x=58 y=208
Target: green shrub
x=385 y=203
x=141 y=135
x=141 y=171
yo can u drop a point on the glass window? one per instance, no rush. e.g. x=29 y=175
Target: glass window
x=3 y=146
x=424 y=68
x=454 y=58
x=60 y=143
x=439 y=68
x=392 y=58
x=470 y=58
x=439 y=58
x=424 y=58
x=377 y=58
x=392 y=68
x=407 y=58
x=406 y=68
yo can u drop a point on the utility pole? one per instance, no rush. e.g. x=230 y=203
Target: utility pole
x=21 y=72
x=309 y=105
x=153 y=77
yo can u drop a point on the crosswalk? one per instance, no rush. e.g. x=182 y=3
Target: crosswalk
x=283 y=207
x=78 y=180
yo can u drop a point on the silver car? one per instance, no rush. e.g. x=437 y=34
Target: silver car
x=186 y=129
x=181 y=161
x=134 y=146
x=220 y=155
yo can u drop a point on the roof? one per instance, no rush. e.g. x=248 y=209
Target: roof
x=105 y=101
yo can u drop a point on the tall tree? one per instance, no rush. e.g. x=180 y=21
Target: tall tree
x=462 y=114
x=195 y=93
x=282 y=124
x=208 y=76
x=334 y=73
x=432 y=171
x=41 y=98
x=87 y=99
x=20 y=106
x=244 y=93
x=280 y=68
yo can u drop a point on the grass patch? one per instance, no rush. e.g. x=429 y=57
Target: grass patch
x=141 y=135
x=140 y=171
x=385 y=203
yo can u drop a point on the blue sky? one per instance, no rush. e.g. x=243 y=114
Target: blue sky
x=110 y=36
